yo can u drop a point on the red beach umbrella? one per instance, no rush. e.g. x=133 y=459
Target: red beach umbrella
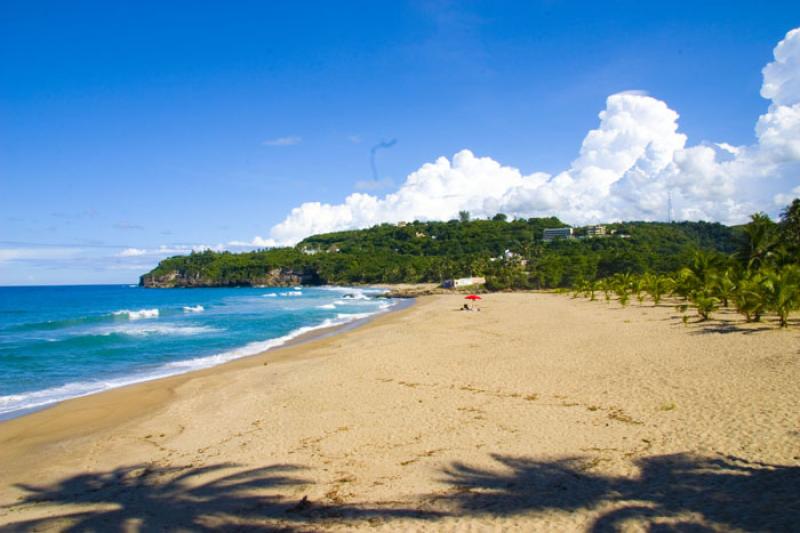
x=472 y=297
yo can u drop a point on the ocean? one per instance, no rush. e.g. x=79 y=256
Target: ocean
x=68 y=341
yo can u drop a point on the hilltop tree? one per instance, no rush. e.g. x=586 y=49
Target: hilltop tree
x=790 y=226
x=760 y=240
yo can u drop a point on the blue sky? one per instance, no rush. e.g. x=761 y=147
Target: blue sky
x=139 y=125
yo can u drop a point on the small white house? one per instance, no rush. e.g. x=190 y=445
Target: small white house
x=463 y=282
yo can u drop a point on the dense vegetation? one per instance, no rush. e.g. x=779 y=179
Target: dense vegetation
x=761 y=276
x=510 y=253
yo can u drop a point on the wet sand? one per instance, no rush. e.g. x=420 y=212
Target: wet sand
x=538 y=412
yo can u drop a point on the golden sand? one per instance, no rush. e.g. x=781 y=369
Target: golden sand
x=540 y=412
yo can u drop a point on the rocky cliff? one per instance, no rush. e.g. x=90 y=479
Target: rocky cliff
x=276 y=277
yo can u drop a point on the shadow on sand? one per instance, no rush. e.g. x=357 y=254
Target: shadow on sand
x=719 y=493
x=707 y=327
x=209 y=498
x=671 y=493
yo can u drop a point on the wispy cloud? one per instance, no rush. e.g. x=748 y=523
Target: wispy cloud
x=37 y=254
x=132 y=252
x=289 y=140
x=86 y=213
x=21 y=261
x=169 y=249
x=127 y=226
x=374 y=185
x=355 y=139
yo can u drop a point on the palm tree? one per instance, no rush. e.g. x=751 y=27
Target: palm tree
x=622 y=285
x=790 y=226
x=638 y=286
x=592 y=287
x=705 y=303
x=701 y=269
x=760 y=240
x=606 y=286
x=658 y=286
x=579 y=288
x=782 y=292
x=724 y=286
x=750 y=297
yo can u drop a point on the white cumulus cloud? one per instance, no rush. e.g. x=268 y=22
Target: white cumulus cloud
x=782 y=199
x=781 y=79
x=629 y=167
x=256 y=242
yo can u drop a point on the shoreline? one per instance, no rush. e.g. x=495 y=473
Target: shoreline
x=99 y=411
x=541 y=412
x=315 y=333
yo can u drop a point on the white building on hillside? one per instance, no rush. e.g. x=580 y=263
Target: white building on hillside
x=463 y=282
x=556 y=233
x=595 y=231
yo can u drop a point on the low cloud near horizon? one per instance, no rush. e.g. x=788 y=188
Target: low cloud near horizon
x=626 y=169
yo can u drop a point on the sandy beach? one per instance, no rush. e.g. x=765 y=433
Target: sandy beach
x=540 y=412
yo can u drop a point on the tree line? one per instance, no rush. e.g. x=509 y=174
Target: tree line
x=761 y=276
x=509 y=253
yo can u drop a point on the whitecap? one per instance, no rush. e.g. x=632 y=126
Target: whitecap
x=327 y=306
x=349 y=317
x=141 y=330
x=136 y=315
x=193 y=309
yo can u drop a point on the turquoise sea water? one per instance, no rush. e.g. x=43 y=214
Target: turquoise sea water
x=63 y=342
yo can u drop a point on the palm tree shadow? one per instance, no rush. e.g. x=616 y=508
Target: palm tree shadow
x=724 y=328
x=206 y=498
x=726 y=493
x=530 y=486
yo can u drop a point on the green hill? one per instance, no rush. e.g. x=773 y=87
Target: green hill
x=509 y=253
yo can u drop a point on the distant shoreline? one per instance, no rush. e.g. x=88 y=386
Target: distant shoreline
x=316 y=333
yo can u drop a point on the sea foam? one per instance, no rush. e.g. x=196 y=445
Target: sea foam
x=156 y=329
x=37 y=399
x=136 y=315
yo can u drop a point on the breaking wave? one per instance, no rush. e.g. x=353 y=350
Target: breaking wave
x=137 y=315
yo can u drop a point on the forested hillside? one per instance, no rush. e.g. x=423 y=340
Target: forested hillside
x=510 y=253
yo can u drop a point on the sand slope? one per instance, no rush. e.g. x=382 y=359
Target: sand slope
x=538 y=413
